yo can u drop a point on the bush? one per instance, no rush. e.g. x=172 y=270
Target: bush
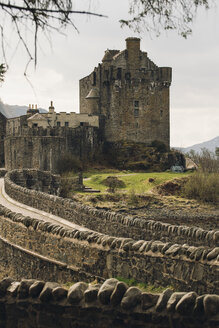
x=159 y=145
x=67 y=163
x=206 y=160
x=202 y=186
x=113 y=183
x=133 y=198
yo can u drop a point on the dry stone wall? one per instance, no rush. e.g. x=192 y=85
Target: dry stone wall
x=109 y=222
x=182 y=266
x=39 y=304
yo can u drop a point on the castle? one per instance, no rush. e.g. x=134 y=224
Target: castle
x=125 y=99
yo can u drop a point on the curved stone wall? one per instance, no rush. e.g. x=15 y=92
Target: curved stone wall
x=109 y=222
x=182 y=266
x=36 y=304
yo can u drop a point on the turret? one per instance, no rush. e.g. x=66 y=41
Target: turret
x=93 y=101
x=51 y=108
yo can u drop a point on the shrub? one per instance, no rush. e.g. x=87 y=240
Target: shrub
x=68 y=162
x=202 y=186
x=159 y=145
x=206 y=160
x=133 y=198
x=113 y=183
x=65 y=188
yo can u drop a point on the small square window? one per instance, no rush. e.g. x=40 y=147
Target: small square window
x=136 y=103
x=66 y=124
x=136 y=108
x=136 y=112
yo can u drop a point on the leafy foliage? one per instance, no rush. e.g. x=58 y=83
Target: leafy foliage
x=113 y=183
x=67 y=163
x=160 y=146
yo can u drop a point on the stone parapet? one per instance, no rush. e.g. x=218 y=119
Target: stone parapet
x=182 y=266
x=109 y=222
x=39 y=304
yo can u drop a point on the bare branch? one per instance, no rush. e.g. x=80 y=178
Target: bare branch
x=58 y=11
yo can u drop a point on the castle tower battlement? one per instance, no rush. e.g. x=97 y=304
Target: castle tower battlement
x=133 y=95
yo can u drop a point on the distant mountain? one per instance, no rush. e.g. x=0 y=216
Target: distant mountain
x=210 y=145
x=10 y=111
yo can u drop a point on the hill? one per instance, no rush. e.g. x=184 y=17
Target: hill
x=210 y=145
x=10 y=111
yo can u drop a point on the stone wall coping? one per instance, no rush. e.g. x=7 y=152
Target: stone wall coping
x=112 y=294
x=195 y=233
x=153 y=248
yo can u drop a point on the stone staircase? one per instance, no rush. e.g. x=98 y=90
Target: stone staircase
x=90 y=190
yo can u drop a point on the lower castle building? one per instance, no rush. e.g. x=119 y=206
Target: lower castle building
x=124 y=100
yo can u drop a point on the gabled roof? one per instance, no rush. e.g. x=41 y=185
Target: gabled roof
x=93 y=94
x=109 y=54
x=3 y=114
x=37 y=117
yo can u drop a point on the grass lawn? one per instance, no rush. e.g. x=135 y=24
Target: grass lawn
x=137 y=182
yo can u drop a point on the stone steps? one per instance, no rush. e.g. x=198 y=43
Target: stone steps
x=90 y=190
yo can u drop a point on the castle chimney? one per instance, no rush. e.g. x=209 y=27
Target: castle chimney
x=51 y=107
x=133 y=51
x=35 y=106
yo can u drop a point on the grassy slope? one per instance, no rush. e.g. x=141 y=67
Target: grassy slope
x=133 y=181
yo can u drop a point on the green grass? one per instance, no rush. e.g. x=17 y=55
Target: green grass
x=133 y=181
x=144 y=287
x=130 y=282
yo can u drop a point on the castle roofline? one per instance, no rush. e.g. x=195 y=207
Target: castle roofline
x=38 y=117
x=93 y=94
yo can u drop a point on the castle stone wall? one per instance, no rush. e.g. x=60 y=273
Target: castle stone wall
x=41 y=148
x=132 y=93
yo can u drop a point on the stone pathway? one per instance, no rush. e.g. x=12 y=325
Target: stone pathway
x=15 y=206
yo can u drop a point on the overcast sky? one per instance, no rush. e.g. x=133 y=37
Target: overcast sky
x=195 y=87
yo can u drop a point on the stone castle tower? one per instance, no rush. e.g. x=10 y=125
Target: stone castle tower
x=131 y=93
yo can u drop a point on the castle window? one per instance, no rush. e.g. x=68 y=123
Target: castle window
x=66 y=124
x=128 y=76
x=58 y=124
x=161 y=113
x=106 y=75
x=94 y=78
x=119 y=73
x=136 y=108
x=35 y=125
